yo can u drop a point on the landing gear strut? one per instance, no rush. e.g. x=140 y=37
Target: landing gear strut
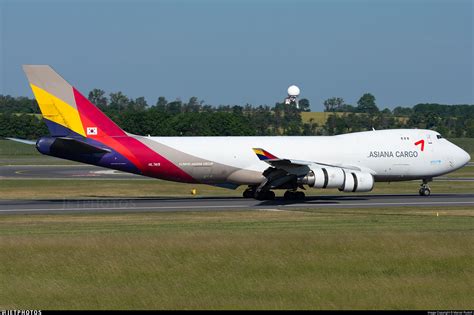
x=424 y=189
x=293 y=195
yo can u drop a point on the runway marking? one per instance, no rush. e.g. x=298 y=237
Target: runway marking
x=125 y=208
x=111 y=172
x=273 y=210
x=390 y=203
x=243 y=207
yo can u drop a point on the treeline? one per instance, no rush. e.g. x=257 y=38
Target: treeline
x=450 y=120
x=194 y=118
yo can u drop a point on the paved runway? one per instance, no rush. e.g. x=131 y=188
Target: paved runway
x=231 y=204
x=83 y=171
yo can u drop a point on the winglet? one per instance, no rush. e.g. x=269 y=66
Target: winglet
x=264 y=155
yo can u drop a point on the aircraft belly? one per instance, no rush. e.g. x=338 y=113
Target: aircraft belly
x=218 y=173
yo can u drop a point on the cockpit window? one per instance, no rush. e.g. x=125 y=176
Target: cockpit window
x=439 y=136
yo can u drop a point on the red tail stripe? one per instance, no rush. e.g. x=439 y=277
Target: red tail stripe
x=149 y=162
x=95 y=117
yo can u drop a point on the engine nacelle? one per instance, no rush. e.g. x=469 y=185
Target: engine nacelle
x=358 y=182
x=325 y=177
x=334 y=177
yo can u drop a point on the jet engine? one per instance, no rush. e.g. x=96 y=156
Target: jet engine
x=334 y=177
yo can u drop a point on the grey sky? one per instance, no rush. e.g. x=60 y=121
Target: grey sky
x=237 y=52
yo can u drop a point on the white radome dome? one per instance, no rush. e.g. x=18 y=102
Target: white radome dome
x=293 y=90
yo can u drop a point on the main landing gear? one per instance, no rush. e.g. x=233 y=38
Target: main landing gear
x=424 y=189
x=249 y=192
x=252 y=192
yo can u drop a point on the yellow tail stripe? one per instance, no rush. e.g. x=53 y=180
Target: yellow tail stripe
x=58 y=111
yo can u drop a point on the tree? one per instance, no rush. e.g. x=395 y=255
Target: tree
x=304 y=105
x=386 y=112
x=139 y=104
x=402 y=111
x=310 y=128
x=174 y=107
x=118 y=101
x=194 y=118
x=347 y=108
x=333 y=104
x=193 y=105
x=161 y=104
x=470 y=128
x=98 y=98
x=366 y=104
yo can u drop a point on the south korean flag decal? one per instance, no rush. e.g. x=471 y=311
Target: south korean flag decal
x=91 y=131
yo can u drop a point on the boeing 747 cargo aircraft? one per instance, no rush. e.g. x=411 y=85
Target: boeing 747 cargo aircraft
x=353 y=162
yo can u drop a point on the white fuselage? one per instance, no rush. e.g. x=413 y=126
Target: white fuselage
x=389 y=155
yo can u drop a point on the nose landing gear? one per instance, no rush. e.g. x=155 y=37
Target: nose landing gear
x=424 y=189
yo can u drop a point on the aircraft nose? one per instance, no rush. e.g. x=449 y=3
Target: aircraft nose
x=463 y=157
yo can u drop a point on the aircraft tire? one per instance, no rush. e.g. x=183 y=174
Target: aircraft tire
x=424 y=192
x=289 y=195
x=265 y=195
x=248 y=193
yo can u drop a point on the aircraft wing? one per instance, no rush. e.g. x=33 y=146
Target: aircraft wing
x=276 y=162
x=285 y=172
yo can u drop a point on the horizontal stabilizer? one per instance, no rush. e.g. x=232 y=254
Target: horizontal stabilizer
x=22 y=141
x=79 y=146
x=66 y=147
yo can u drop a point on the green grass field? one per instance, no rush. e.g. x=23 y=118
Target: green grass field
x=318 y=259
x=71 y=188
